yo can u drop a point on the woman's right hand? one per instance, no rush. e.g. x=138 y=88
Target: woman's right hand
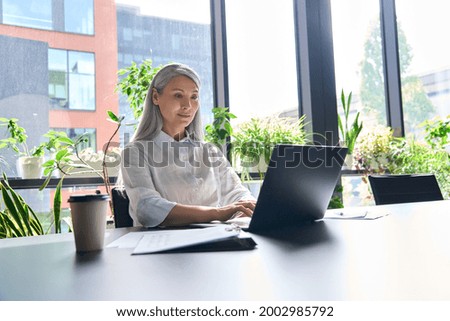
x=237 y=209
x=188 y=214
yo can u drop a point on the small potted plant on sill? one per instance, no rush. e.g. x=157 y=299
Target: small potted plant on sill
x=68 y=161
x=29 y=163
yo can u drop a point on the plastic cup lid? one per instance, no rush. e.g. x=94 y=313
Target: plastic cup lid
x=88 y=198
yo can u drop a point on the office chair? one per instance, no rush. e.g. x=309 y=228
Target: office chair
x=391 y=189
x=120 y=201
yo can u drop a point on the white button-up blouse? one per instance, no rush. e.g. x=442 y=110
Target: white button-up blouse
x=159 y=174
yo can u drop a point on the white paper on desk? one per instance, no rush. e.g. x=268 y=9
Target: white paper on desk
x=159 y=241
x=146 y=242
x=356 y=214
x=127 y=241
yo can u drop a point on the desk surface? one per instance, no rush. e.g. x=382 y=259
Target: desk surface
x=403 y=256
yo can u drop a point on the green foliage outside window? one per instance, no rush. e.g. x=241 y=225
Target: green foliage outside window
x=416 y=104
x=438 y=132
x=379 y=152
x=134 y=83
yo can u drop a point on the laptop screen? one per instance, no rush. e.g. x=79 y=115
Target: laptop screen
x=298 y=185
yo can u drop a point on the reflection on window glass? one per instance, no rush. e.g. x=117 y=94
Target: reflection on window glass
x=28 y=13
x=82 y=92
x=71 y=79
x=81 y=62
x=57 y=78
x=79 y=16
x=81 y=80
x=261 y=58
x=358 y=58
x=425 y=67
x=148 y=29
x=75 y=133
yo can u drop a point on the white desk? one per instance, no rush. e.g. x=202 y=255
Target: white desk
x=403 y=256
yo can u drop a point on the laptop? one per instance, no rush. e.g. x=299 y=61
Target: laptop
x=297 y=187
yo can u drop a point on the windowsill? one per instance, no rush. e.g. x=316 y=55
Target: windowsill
x=20 y=183
x=344 y=172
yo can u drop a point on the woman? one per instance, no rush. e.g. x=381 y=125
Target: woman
x=171 y=177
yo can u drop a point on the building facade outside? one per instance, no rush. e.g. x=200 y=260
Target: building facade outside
x=59 y=69
x=163 y=40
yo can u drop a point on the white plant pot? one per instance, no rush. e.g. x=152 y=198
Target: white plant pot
x=30 y=166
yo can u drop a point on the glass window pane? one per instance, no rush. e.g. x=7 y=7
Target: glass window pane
x=79 y=16
x=81 y=80
x=359 y=69
x=81 y=92
x=425 y=68
x=358 y=58
x=75 y=133
x=81 y=62
x=166 y=31
x=261 y=58
x=71 y=79
x=28 y=13
x=57 y=78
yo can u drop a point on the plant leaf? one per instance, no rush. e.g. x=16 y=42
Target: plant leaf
x=13 y=211
x=113 y=116
x=57 y=206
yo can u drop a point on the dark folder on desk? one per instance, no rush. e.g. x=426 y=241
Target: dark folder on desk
x=218 y=238
x=240 y=243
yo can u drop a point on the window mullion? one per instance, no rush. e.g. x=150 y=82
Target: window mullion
x=392 y=80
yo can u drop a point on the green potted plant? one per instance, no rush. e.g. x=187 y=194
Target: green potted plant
x=29 y=163
x=69 y=161
x=349 y=132
x=220 y=131
x=253 y=141
x=379 y=152
x=373 y=151
x=438 y=132
x=409 y=156
x=16 y=216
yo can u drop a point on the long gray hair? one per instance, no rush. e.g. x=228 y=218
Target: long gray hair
x=151 y=121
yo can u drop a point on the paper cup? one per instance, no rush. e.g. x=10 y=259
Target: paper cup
x=88 y=214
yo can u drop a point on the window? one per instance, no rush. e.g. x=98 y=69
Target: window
x=358 y=58
x=261 y=58
x=79 y=16
x=57 y=81
x=166 y=31
x=81 y=80
x=89 y=133
x=28 y=13
x=424 y=61
x=71 y=79
x=359 y=69
x=76 y=16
